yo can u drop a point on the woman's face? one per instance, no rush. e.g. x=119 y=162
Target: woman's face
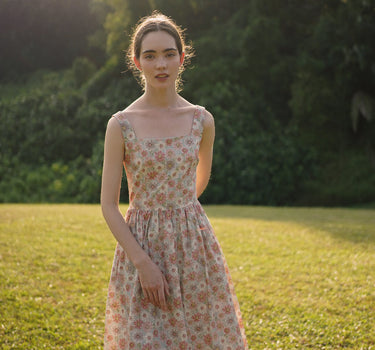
x=159 y=60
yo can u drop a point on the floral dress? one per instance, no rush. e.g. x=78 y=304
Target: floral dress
x=170 y=224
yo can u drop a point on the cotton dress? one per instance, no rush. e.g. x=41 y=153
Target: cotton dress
x=170 y=224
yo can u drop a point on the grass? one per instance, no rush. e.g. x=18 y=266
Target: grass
x=304 y=277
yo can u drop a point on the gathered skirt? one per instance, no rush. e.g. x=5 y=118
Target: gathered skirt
x=203 y=311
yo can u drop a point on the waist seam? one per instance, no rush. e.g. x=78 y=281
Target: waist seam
x=195 y=202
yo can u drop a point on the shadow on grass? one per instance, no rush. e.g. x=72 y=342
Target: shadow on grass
x=355 y=225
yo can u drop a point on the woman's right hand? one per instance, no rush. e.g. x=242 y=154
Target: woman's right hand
x=154 y=285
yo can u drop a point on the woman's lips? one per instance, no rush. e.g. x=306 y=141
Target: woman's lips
x=162 y=76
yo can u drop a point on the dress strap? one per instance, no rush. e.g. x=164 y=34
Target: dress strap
x=197 y=127
x=126 y=128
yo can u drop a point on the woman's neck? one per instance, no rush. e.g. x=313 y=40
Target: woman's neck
x=161 y=98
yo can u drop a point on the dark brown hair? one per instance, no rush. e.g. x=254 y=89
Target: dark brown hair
x=154 y=23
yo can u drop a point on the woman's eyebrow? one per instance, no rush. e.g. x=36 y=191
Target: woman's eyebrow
x=153 y=51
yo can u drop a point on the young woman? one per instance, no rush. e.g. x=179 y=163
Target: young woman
x=170 y=287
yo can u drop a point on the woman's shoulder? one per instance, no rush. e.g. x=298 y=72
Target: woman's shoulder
x=125 y=113
x=119 y=120
x=124 y=117
x=128 y=111
x=207 y=117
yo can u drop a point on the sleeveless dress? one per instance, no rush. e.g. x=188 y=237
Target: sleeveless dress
x=170 y=224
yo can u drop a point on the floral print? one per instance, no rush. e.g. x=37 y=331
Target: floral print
x=169 y=223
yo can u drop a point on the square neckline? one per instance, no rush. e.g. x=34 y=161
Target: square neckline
x=151 y=138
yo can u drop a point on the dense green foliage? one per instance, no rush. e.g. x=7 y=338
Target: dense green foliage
x=290 y=84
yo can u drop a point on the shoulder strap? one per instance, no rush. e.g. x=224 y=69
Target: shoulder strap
x=197 y=128
x=127 y=130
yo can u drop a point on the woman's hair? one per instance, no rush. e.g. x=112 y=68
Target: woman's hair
x=154 y=23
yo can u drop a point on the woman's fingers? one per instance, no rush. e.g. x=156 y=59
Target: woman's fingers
x=151 y=295
x=157 y=296
x=166 y=286
x=154 y=298
x=162 y=301
x=163 y=293
x=154 y=285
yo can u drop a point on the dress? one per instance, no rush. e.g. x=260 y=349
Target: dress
x=170 y=224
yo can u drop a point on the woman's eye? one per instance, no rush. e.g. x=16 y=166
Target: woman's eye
x=171 y=54
x=149 y=57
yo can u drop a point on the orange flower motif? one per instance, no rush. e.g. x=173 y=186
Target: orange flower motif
x=177 y=303
x=227 y=309
x=207 y=339
x=173 y=258
x=171 y=183
x=172 y=321
x=215 y=268
x=115 y=305
x=152 y=175
x=137 y=324
x=196 y=317
x=159 y=156
x=183 y=345
x=116 y=318
x=202 y=296
x=160 y=198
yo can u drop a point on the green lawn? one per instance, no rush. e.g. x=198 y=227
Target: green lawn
x=305 y=278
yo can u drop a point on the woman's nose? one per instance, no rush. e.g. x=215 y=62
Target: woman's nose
x=160 y=62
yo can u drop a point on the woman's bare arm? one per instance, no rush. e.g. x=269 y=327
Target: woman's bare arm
x=205 y=153
x=111 y=184
x=153 y=282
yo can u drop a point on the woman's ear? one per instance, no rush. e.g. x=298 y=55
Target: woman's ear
x=137 y=63
x=182 y=57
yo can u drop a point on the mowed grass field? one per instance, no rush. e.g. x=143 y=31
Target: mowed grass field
x=304 y=277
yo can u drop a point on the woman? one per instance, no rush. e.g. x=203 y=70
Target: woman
x=170 y=287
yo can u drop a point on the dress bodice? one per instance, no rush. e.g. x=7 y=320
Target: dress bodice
x=161 y=172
